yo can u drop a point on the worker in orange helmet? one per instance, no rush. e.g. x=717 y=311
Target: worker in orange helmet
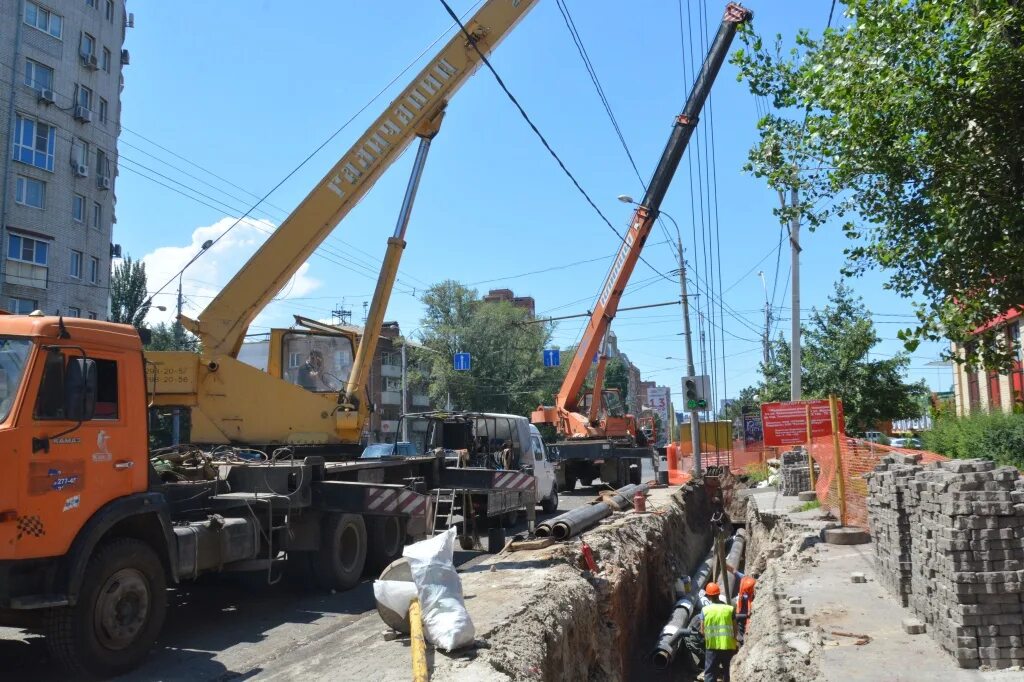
x=744 y=603
x=718 y=625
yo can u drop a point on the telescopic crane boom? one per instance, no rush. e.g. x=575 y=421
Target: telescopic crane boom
x=565 y=414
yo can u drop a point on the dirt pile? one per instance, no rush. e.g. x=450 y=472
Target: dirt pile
x=779 y=646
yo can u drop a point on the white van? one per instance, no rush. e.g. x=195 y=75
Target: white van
x=544 y=472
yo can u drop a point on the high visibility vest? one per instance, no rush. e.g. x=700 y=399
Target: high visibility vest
x=718 y=630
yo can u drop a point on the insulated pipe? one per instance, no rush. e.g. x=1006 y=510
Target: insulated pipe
x=623 y=497
x=686 y=607
x=578 y=520
x=734 y=560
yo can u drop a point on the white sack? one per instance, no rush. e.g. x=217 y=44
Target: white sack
x=395 y=595
x=445 y=619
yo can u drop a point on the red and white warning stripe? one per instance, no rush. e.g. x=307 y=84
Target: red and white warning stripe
x=395 y=501
x=512 y=480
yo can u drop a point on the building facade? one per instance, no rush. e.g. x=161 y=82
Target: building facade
x=524 y=302
x=980 y=390
x=59 y=125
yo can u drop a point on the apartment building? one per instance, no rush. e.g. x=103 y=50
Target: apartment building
x=59 y=122
x=980 y=390
x=507 y=295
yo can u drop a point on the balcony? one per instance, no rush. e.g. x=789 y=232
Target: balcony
x=420 y=400
x=390 y=370
x=390 y=397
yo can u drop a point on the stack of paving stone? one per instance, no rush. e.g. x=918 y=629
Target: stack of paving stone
x=967 y=554
x=889 y=522
x=794 y=473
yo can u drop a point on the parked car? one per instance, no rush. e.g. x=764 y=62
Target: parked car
x=378 y=450
x=906 y=443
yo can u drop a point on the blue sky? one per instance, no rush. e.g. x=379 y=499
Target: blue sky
x=245 y=90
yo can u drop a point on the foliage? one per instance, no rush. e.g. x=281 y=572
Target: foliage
x=775 y=384
x=163 y=337
x=748 y=399
x=904 y=125
x=129 y=300
x=998 y=437
x=755 y=473
x=507 y=372
x=616 y=375
x=808 y=506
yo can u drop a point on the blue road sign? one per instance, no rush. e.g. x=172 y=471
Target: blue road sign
x=551 y=358
x=462 y=362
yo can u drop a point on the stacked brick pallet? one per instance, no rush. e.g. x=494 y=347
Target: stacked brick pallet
x=965 y=524
x=795 y=475
x=889 y=523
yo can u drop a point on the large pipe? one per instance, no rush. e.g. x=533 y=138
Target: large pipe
x=622 y=499
x=579 y=520
x=686 y=607
x=734 y=560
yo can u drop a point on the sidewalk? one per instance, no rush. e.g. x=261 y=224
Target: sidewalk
x=835 y=604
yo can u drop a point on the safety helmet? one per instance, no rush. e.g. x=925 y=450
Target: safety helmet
x=712 y=590
x=747 y=585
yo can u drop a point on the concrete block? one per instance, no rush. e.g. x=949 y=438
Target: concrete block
x=858 y=578
x=807 y=496
x=912 y=626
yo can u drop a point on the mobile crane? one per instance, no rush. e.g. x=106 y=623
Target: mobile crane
x=94 y=526
x=598 y=440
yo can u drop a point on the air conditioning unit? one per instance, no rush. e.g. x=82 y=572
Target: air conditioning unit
x=80 y=169
x=89 y=61
x=125 y=57
x=103 y=182
x=46 y=96
x=83 y=114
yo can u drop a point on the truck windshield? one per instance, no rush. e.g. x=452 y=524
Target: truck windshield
x=13 y=357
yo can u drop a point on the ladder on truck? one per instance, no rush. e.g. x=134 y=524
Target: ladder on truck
x=442 y=510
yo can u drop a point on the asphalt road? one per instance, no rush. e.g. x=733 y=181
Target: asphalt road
x=219 y=629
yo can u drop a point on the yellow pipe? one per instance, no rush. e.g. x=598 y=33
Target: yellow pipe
x=420 y=673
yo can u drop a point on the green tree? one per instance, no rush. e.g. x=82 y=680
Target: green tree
x=616 y=375
x=507 y=372
x=129 y=300
x=905 y=126
x=170 y=337
x=837 y=361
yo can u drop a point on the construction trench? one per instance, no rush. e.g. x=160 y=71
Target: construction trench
x=541 y=614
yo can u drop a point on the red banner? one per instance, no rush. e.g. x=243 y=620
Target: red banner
x=786 y=423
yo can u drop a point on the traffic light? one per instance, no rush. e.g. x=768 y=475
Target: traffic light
x=694 y=390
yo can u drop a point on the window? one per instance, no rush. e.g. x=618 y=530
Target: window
x=34 y=143
x=110 y=10
x=78 y=208
x=94 y=269
x=21 y=306
x=102 y=164
x=105 y=60
x=75 y=270
x=97 y=214
x=50 y=400
x=994 y=398
x=91 y=3
x=392 y=384
x=74 y=312
x=26 y=249
x=30 y=192
x=103 y=110
x=38 y=76
x=92 y=315
x=79 y=153
x=87 y=46
x=83 y=97
x=43 y=19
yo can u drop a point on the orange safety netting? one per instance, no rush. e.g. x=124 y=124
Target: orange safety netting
x=859 y=457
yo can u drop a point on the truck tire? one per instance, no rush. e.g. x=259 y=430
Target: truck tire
x=386 y=539
x=550 y=503
x=339 y=562
x=120 y=611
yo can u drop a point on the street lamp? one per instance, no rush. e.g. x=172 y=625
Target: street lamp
x=694 y=415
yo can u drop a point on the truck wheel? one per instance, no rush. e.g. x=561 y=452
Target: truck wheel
x=386 y=535
x=550 y=503
x=120 y=610
x=339 y=562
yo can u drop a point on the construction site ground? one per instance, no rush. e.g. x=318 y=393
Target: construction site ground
x=220 y=629
x=819 y=575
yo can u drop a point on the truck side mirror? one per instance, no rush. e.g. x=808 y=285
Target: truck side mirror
x=80 y=388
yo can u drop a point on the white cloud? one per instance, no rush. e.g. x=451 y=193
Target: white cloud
x=210 y=272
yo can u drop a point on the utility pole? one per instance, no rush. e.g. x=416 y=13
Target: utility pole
x=795 y=391
x=766 y=340
x=694 y=413
x=179 y=334
x=405 y=393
